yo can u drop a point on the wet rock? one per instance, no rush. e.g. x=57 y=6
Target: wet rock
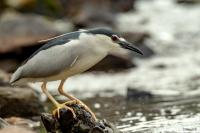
x=96 y=13
x=18 y=101
x=18 y=122
x=8 y=65
x=139 y=95
x=22 y=122
x=109 y=6
x=113 y=63
x=160 y=66
x=84 y=13
x=4 y=78
x=94 y=18
x=20 y=4
x=2 y=5
x=27 y=30
x=3 y=123
x=147 y=51
x=187 y=1
x=83 y=123
x=70 y=8
x=135 y=37
x=15 y=129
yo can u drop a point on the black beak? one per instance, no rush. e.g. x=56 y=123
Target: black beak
x=127 y=45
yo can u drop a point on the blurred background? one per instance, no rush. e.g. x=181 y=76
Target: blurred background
x=153 y=93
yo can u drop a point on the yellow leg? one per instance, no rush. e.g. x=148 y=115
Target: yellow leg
x=44 y=89
x=61 y=91
x=58 y=105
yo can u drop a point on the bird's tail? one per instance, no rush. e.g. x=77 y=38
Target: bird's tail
x=16 y=76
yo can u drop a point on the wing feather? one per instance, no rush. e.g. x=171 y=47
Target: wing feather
x=49 y=62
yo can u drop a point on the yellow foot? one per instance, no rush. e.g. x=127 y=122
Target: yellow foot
x=61 y=106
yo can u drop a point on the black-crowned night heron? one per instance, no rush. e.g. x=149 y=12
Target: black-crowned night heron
x=66 y=55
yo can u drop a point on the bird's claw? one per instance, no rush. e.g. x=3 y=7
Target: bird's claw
x=65 y=105
x=61 y=106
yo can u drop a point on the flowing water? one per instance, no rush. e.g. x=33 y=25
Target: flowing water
x=157 y=115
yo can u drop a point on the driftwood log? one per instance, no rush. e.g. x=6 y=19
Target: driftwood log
x=83 y=123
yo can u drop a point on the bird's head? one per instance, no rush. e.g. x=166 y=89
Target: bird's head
x=114 y=40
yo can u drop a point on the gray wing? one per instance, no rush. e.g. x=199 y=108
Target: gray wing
x=58 y=40
x=49 y=62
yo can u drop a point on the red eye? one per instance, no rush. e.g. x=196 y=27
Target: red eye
x=114 y=37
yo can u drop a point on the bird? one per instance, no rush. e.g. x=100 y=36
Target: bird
x=66 y=55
